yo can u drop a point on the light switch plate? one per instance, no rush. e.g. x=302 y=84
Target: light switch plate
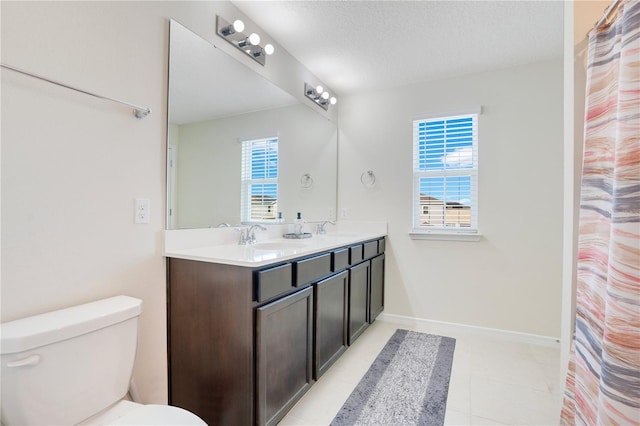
x=142 y=210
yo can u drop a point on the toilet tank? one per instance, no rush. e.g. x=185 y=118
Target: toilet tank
x=64 y=366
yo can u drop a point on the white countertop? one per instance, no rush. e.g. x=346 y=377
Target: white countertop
x=272 y=250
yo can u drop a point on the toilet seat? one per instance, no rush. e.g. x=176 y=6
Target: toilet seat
x=153 y=414
x=126 y=412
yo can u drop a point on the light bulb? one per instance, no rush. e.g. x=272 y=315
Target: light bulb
x=319 y=89
x=268 y=49
x=238 y=26
x=333 y=100
x=325 y=95
x=254 y=39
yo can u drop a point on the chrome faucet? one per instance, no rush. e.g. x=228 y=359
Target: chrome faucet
x=248 y=235
x=320 y=227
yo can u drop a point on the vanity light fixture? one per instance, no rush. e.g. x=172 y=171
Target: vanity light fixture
x=249 y=44
x=320 y=96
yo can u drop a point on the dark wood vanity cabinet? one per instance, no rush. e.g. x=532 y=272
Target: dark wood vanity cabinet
x=244 y=344
x=210 y=340
x=358 y=300
x=366 y=286
x=376 y=293
x=284 y=354
x=330 y=325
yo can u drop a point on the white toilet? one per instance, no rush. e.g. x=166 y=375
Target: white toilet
x=73 y=366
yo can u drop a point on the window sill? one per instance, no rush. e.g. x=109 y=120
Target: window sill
x=419 y=234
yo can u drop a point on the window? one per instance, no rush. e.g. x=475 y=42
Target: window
x=445 y=175
x=259 y=193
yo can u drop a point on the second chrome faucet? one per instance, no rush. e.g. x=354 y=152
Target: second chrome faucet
x=248 y=235
x=320 y=227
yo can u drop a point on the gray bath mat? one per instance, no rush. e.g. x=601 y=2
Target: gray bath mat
x=407 y=384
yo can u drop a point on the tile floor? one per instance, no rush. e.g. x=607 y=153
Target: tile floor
x=494 y=381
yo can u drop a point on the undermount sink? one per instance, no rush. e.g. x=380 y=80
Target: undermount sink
x=280 y=245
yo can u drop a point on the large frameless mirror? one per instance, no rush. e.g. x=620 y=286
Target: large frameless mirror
x=239 y=148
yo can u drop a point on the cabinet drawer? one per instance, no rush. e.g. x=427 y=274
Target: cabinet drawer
x=272 y=282
x=370 y=249
x=340 y=260
x=310 y=270
x=355 y=254
x=381 y=245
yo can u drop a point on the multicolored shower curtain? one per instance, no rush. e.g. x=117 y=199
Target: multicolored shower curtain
x=603 y=382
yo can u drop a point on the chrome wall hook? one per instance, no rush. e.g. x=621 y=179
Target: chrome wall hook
x=368 y=178
x=306 y=181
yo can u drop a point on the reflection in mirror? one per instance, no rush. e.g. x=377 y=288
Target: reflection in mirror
x=220 y=109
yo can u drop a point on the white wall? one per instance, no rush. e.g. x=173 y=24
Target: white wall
x=72 y=165
x=512 y=278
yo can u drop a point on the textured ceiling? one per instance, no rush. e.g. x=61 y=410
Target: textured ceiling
x=355 y=46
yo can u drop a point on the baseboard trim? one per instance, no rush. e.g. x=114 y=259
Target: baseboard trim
x=534 y=339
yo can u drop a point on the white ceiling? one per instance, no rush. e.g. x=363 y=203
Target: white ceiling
x=355 y=46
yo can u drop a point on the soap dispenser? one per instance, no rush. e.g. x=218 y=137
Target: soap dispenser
x=298 y=224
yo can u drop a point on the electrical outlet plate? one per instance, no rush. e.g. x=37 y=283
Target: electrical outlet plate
x=142 y=210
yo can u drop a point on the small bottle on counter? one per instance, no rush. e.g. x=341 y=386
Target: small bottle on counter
x=298 y=224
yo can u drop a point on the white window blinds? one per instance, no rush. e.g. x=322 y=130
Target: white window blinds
x=259 y=192
x=445 y=174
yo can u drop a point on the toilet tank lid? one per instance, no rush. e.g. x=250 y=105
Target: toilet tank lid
x=39 y=330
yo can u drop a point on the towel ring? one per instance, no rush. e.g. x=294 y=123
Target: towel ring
x=306 y=181
x=368 y=178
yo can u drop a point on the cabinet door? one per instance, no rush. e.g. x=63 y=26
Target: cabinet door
x=284 y=358
x=330 y=321
x=210 y=341
x=376 y=304
x=358 y=300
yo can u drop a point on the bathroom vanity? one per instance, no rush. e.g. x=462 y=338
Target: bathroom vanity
x=251 y=328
